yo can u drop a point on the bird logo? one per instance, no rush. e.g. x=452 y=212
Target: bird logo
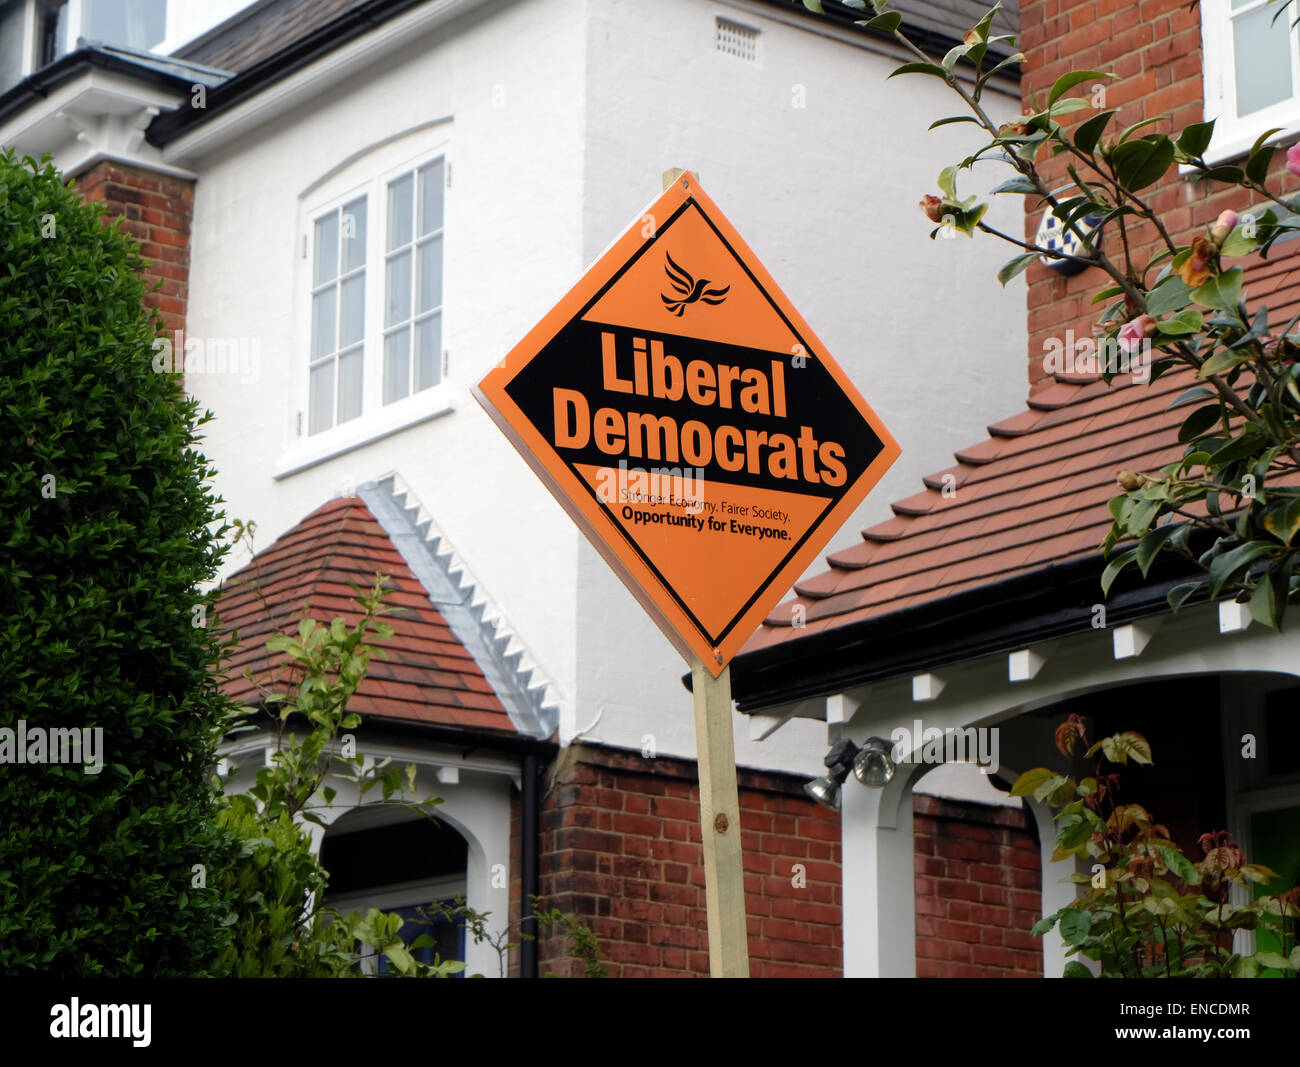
x=688 y=289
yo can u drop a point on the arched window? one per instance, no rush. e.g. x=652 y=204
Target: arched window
x=407 y=867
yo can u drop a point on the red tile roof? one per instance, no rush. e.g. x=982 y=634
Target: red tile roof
x=429 y=675
x=1033 y=494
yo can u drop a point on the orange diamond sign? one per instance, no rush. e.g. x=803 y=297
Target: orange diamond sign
x=691 y=423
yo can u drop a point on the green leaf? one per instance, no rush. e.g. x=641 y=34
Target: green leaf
x=1191 y=396
x=1075 y=924
x=1028 y=782
x=814 y=6
x=1198 y=422
x=1221 y=292
x=1113 y=568
x=1221 y=361
x=1265 y=606
x=1068 y=107
x=921 y=68
x=1237 y=244
x=888 y=22
x=1178 y=595
x=1015 y=266
x=1283 y=520
x=1075 y=969
x=1044 y=925
x=1226 y=566
x=1142 y=162
x=1183 y=324
x=1089 y=132
x=1196 y=139
x=1068 y=81
x=1180 y=865
x=1151 y=545
x=948 y=182
x=1259 y=157
x=1272 y=959
x=1228 y=175
x=954 y=118
x=1170 y=295
x=1015 y=185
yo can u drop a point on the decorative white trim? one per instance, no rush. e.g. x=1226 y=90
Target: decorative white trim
x=1024 y=665
x=926 y=687
x=1233 y=617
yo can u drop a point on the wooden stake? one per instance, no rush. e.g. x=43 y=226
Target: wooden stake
x=724 y=878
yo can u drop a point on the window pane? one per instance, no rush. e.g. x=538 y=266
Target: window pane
x=327 y=249
x=400 y=211
x=323 y=311
x=352 y=324
x=430 y=274
x=397 y=302
x=1261 y=59
x=350 y=385
x=354 y=234
x=139 y=24
x=428 y=352
x=397 y=364
x=432 y=184
x=321 y=413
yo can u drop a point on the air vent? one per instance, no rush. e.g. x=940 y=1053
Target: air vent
x=733 y=39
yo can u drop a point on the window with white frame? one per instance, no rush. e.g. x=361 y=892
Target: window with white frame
x=1251 y=70
x=376 y=317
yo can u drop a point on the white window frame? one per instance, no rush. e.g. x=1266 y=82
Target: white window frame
x=369 y=177
x=1234 y=136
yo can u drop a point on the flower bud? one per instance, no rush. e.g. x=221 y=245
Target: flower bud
x=933 y=208
x=1128 y=481
x=1223 y=226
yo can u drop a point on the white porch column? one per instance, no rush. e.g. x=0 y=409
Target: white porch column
x=1057 y=892
x=879 y=901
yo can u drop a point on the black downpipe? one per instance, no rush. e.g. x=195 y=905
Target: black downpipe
x=530 y=875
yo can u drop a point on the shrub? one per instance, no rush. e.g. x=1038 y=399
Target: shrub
x=107 y=530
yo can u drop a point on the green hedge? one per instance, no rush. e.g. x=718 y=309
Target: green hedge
x=98 y=576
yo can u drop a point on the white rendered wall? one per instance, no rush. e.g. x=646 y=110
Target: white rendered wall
x=819 y=161
x=562 y=117
x=512 y=248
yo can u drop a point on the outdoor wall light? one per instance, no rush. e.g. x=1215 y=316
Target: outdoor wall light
x=872 y=765
x=826 y=789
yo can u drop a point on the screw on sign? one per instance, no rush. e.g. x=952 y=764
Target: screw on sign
x=695 y=428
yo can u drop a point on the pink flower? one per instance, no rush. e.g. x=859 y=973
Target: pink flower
x=1293 y=158
x=1223 y=226
x=1133 y=332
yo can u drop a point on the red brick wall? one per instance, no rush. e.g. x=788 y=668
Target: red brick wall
x=978 y=891
x=1154 y=48
x=156 y=209
x=621 y=849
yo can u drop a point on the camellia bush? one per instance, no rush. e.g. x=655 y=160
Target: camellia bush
x=1230 y=507
x=107 y=530
x=1148 y=911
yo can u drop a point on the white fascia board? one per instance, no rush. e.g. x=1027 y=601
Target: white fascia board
x=304 y=88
